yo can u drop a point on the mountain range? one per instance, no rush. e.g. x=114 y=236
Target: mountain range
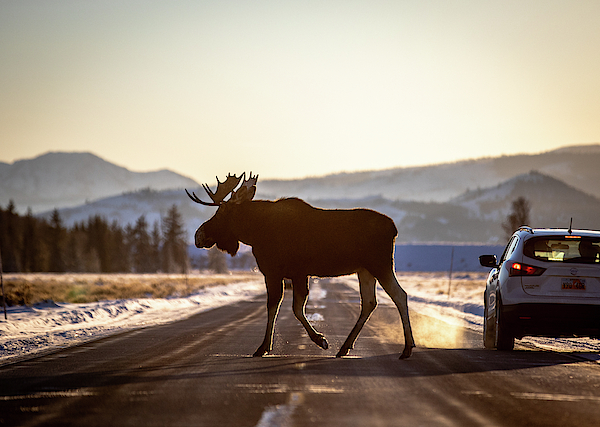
x=59 y=180
x=575 y=165
x=455 y=202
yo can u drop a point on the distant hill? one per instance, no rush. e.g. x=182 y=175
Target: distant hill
x=553 y=203
x=574 y=165
x=70 y=179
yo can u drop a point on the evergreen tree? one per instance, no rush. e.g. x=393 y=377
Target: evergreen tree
x=155 y=242
x=56 y=237
x=31 y=244
x=10 y=233
x=129 y=240
x=97 y=231
x=518 y=216
x=118 y=252
x=35 y=245
x=44 y=243
x=174 y=250
x=141 y=247
x=75 y=250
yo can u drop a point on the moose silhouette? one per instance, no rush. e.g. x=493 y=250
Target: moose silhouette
x=293 y=240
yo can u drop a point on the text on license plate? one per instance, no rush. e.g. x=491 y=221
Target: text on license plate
x=573 y=283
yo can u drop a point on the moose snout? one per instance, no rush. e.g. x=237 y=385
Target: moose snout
x=201 y=240
x=199 y=237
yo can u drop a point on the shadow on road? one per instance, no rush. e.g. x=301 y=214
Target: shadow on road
x=425 y=362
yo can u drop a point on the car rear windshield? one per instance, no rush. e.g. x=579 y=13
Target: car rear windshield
x=564 y=249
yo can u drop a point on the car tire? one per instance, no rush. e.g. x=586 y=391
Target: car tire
x=505 y=340
x=489 y=326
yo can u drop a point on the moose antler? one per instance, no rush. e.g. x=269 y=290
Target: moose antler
x=223 y=189
x=246 y=190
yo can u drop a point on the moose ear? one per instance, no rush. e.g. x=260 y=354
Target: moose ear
x=251 y=191
x=246 y=191
x=244 y=194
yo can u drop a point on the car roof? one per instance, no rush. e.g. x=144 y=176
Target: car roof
x=532 y=232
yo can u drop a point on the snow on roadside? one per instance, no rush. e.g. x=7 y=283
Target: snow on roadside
x=465 y=309
x=45 y=326
x=469 y=314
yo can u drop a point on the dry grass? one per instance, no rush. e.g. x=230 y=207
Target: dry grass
x=28 y=289
x=31 y=288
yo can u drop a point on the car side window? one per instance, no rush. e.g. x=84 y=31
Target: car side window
x=510 y=248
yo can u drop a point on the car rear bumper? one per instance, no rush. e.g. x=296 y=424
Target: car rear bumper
x=553 y=320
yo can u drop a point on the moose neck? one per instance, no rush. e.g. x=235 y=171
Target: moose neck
x=251 y=221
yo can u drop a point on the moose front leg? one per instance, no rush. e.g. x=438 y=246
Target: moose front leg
x=274 y=297
x=300 y=285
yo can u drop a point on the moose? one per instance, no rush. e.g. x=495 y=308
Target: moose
x=293 y=240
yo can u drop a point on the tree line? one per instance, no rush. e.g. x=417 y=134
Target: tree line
x=30 y=244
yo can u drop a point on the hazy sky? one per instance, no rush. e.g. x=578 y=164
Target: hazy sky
x=296 y=88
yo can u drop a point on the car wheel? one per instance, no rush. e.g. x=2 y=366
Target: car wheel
x=489 y=326
x=505 y=340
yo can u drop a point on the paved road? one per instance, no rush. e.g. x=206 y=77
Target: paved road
x=198 y=372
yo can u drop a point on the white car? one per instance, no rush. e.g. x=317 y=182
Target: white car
x=547 y=283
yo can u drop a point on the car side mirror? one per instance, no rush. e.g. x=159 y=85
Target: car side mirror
x=488 y=261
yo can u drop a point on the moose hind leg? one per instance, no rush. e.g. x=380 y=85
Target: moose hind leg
x=300 y=286
x=390 y=284
x=368 y=302
x=274 y=297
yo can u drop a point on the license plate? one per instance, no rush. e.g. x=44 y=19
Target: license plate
x=573 y=284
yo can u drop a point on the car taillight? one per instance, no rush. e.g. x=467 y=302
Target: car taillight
x=520 y=269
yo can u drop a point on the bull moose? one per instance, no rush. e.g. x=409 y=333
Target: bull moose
x=293 y=240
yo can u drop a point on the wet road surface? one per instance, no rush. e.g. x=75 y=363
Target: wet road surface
x=198 y=372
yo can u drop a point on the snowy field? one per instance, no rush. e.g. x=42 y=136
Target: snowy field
x=43 y=327
x=47 y=326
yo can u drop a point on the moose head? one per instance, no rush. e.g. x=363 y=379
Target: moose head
x=220 y=229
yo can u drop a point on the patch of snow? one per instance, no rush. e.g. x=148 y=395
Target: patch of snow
x=45 y=326
x=315 y=317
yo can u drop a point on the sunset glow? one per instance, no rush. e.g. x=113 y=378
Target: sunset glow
x=291 y=89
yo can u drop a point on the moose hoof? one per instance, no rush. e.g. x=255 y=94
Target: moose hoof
x=260 y=352
x=407 y=352
x=343 y=352
x=322 y=342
